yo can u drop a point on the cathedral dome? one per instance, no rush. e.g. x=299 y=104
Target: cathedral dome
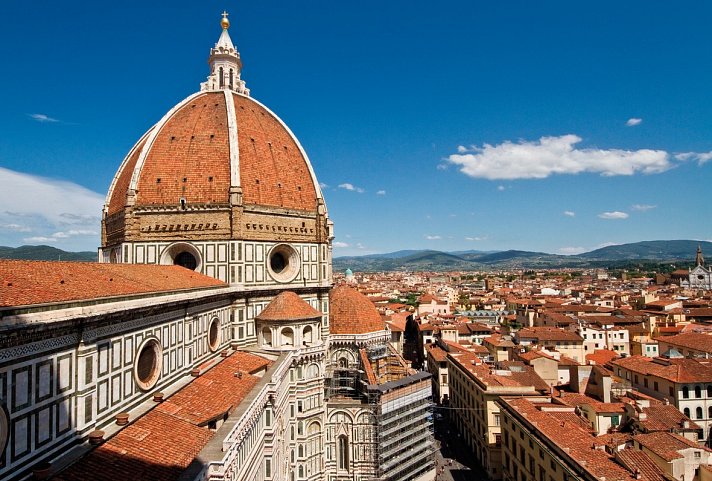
x=219 y=176
x=210 y=145
x=352 y=313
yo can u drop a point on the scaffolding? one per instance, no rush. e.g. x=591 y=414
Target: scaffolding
x=402 y=442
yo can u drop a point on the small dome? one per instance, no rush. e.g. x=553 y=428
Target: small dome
x=352 y=313
x=349 y=272
x=288 y=307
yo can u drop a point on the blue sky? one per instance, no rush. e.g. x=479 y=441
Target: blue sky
x=548 y=126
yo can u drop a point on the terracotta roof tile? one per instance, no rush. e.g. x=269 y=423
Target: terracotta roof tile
x=161 y=444
x=352 y=313
x=26 y=283
x=676 y=370
x=691 y=340
x=288 y=306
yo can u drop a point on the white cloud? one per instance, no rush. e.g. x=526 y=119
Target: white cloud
x=616 y=214
x=476 y=239
x=40 y=239
x=53 y=210
x=501 y=188
x=433 y=237
x=555 y=155
x=360 y=246
x=632 y=122
x=441 y=166
x=15 y=227
x=42 y=118
x=323 y=185
x=571 y=250
x=340 y=244
x=381 y=192
x=569 y=213
x=642 y=207
x=700 y=157
x=351 y=187
x=606 y=244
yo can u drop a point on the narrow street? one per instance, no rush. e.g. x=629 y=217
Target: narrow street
x=452 y=462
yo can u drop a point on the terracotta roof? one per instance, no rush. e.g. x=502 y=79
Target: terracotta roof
x=548 y=334
x=635 y=459
x=352 y=313
x=675 y=370
x=601 y=356
x=522 y=376
x=691 y=340
x=161 y=444
x=191 y=157
x=664 y=417
x=24 y=283
x=578 y=441
x=667 y=445
x=288 y=306
x=437 y=352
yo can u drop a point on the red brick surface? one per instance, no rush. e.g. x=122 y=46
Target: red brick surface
x=272 y=169
x=25 y=283
x=191 y=148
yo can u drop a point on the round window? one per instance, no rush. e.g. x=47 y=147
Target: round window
x=214 y=334
x=182 y=254
x=147 y=367
x=283 y=263
x=187 y=260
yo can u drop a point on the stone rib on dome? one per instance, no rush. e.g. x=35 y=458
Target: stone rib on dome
x=288 y=306
x=352 y=313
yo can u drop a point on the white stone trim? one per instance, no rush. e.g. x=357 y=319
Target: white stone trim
x=122 y=167
x=317 y=187
x=232 y=136
x=152 y=137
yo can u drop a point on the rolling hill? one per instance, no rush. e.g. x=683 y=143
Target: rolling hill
x=45 y=253
x=681 y=251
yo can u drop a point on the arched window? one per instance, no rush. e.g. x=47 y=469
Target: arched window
x=287 y=337
x=698 y=392
x=230 y=78
x=686 y=392
x=222 y=77
x=301 y=450
x=709 y=414
x=301 y=470
x=342 y=450
x=267 y=336
x=307 y=337
x=709 y=391
x=698 y=412
x=343 y=363
x=686 y=412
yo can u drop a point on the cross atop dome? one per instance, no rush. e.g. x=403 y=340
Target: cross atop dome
x=225 y=64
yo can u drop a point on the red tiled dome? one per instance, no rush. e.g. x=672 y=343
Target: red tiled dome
x=288 y=306
x=352 y=313
x=209 y=142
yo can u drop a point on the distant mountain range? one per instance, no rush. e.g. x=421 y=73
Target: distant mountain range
x=45 y=253
x=674 y=251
